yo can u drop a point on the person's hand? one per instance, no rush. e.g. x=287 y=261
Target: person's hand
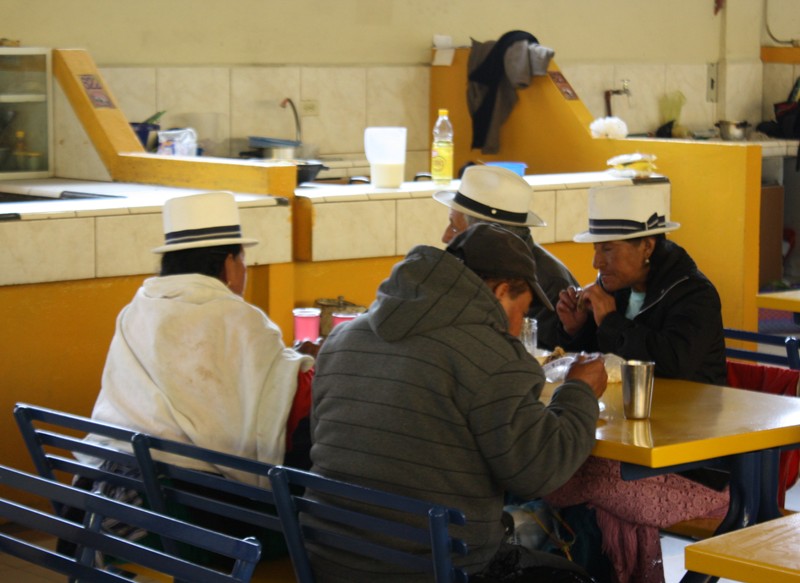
x=571 y=309
x=591 y=369
x=309 y=347
x=598 y=301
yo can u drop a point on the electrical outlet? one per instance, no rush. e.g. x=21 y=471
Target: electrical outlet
x=309 y=107
x=712 y=82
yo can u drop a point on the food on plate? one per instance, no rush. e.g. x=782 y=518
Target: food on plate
x=557 y=353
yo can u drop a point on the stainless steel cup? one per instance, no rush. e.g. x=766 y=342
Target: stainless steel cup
x=637 y=388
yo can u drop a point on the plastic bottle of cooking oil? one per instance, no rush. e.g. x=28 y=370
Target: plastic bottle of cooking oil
x=442 y=149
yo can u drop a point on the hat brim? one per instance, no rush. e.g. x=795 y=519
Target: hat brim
x=244 y=242
x=446 y=198
x=588 y=237
x=539 y=292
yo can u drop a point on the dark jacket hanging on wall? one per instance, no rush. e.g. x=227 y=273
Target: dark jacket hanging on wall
x=491 y=91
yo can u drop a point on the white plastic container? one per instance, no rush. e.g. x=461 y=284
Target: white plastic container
x=385 y=148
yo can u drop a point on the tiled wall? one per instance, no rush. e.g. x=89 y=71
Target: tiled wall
x=227 y=104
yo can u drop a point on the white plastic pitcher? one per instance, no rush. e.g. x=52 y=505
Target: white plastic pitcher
x=386 y=152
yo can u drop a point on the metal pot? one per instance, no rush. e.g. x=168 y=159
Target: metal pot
x=329 y=306
x=307 y=170
x=733 y=130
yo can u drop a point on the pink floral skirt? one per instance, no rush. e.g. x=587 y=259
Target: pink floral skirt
x=631 y=513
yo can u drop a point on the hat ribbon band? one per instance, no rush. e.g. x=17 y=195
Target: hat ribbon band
x=625 y=226
x=208 y=233
x=488 y=211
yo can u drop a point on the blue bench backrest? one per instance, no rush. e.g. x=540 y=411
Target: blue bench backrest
x=50 y=437
x=168 y=483
x=369 y=532
x=790 y=359
x=244 y=553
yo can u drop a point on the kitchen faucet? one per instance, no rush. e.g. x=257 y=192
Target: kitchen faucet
x=626 y=90
x=298 y=132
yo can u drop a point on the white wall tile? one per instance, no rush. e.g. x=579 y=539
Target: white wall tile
x=125 y=243
x=272 y=226
x=399 y=96
x=420 y=221
x=256 y=95
x=353 y=230
x=41 y=251
x=590 y=81
x=197 y=97
x=697 y=113
x=742 y=83
x=639 y=110
x=543 y=204
x=572 y=213
x=341 y=93
x=134 y=89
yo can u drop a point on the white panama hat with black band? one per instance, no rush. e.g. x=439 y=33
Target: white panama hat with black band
x=624 y=212
x=202 y=220
x=493 y=194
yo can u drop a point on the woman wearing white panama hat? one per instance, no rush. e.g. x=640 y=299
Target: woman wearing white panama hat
x=650 y=302
x=191 y=360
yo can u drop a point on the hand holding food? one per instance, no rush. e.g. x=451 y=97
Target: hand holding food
x=571 y=309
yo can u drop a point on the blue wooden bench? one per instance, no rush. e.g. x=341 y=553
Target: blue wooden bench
x=91 y=538
x=359 y=523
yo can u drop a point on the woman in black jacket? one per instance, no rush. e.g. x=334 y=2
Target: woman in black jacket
x=649 y=302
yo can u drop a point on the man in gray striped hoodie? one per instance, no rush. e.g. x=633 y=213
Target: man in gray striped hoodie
x=430 y=394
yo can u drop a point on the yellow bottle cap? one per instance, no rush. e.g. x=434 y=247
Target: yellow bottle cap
x=442 y=112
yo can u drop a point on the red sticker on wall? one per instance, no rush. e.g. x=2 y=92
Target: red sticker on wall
x=96 y=92
x=563 y=85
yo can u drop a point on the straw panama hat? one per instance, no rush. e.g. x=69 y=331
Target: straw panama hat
x=626 y=212
x=494 y=194
x=202 y=220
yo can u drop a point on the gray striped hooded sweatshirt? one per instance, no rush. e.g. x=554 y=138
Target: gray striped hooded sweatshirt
x=428 y=395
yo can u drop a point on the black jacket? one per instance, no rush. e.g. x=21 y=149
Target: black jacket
x=679 y=326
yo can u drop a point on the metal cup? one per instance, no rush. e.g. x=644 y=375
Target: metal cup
x=637 y=388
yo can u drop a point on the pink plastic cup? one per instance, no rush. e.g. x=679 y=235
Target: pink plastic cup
x=306 y=324
x=340 y=317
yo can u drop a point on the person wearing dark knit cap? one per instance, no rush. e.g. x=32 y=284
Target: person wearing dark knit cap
x=430 y=394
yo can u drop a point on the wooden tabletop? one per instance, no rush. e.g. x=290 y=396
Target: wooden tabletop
x=784 y=300
x=692 y=422
x=768 y=552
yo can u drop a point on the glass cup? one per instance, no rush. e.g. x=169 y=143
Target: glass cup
x=637 y=388
x=306 y=324
x=529 y=335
